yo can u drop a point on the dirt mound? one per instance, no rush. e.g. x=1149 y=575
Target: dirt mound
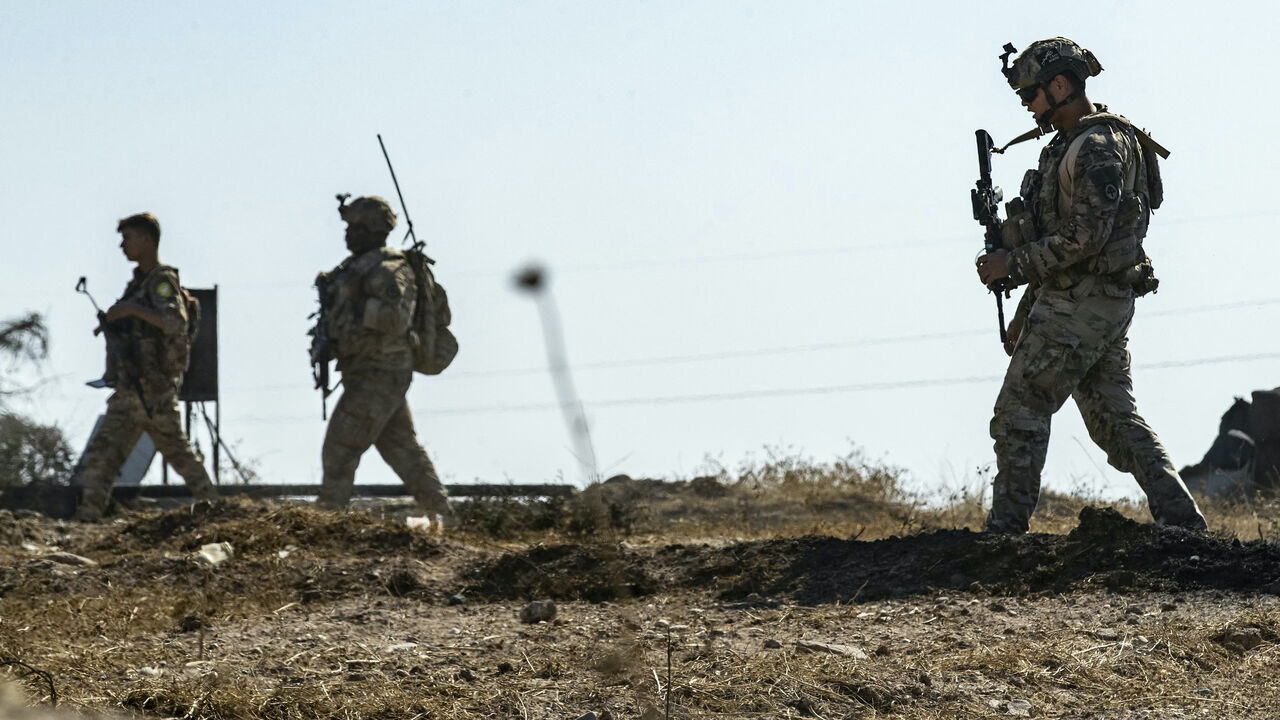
x=563 y=572
x=265 y=528
x=283 y=553
x=1106 y=551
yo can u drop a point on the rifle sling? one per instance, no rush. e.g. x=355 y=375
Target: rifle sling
x=1144 y=140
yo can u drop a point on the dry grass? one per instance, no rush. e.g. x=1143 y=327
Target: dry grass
x=790 y=496
x=354 y=622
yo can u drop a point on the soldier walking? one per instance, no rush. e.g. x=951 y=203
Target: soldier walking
x=1089 y=202
x=368 y=311
x=149 y=344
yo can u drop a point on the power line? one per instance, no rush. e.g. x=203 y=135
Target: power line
x=761 y=255
x=774 y=350
x=780 y=392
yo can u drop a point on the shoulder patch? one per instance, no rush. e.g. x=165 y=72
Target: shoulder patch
x=164 y=290
x=1106 y=176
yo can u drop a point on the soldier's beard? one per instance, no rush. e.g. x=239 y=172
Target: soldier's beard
x=359 y=242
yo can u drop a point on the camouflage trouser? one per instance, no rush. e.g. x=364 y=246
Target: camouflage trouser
x=125 y=421
x=373 y=411
x=1077 y=347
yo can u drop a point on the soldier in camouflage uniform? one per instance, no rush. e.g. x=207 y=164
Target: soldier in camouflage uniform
x=369 y=311
x=148 y=331
x=1080 y=224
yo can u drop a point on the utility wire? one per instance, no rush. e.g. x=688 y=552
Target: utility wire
x=779 y=392
x=774 y=350
x=750 y=256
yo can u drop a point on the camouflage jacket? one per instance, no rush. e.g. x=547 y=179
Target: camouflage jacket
x=1090 y=206
x=153 y=355
x=370 y=311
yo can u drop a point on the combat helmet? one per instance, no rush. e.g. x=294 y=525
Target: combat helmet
x=370 y=211
x=1044 y=60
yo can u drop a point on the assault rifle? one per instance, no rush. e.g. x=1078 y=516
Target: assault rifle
x=986 y=210
x=117 y=346
x=320 y=343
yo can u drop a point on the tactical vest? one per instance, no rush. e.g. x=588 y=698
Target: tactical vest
x=1122 y=266
x=144 y=351
x=351 y=341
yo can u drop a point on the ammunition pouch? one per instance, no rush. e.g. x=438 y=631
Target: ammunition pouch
x=1020 y=227
x=1119 y=255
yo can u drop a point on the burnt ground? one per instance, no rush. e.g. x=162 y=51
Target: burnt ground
x=348 y=615
x=1105 y=551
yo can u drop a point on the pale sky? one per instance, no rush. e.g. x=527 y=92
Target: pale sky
x=756 y=215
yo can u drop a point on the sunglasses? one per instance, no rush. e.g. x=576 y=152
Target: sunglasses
x=1028 y=94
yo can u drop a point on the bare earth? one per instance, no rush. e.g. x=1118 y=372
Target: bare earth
x=324 y=615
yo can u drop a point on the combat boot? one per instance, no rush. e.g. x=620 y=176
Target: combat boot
x=445 y=517
x=89 y=512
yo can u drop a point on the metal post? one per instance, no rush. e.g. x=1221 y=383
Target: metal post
x=217 y=410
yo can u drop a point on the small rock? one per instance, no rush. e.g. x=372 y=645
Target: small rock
x=200 y=669
x=457 y=599
x=148 y=671
x=588 y=716
x=1167 y=607
x=1106 y=634
x=67 y=558
x=401 y=647
x=833 y=648
x=1202 y=691
x=997 y=607
x=1240 y=639
x=538 y=611
x=1018 y=708
x=772 y=644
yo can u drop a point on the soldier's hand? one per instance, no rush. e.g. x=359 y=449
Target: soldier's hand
x=120 y=311
x=993 y=266
x=1011 y=335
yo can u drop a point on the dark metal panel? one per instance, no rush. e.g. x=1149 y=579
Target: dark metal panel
x=200 y=384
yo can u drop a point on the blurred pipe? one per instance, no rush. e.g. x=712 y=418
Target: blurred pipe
x=533 y=280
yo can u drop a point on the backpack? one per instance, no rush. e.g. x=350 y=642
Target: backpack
x=177 y=355
x=435 y=345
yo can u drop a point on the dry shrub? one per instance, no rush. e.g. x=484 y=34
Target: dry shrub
x=789 y=494
x=32 y=453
